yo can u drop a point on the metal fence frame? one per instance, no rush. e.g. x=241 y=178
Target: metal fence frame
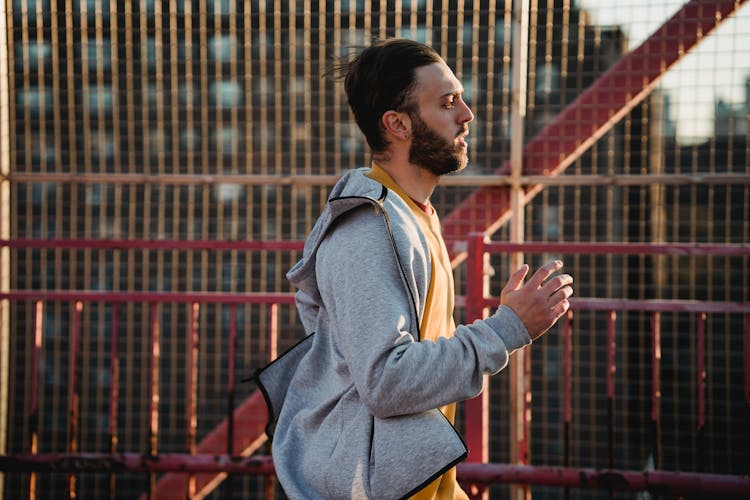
x=228 y=451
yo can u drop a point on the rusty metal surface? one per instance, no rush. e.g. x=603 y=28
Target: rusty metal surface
x=659 y=482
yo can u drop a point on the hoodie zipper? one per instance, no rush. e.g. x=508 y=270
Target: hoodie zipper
x=461 y=457
x=379 y=203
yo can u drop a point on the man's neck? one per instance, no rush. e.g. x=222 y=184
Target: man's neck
x=418 y=183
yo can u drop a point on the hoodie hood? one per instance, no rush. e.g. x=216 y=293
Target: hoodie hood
x=353 y=190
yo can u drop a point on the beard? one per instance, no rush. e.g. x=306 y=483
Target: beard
x=432 y=152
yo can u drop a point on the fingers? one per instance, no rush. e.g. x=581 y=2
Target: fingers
x=560 y=295
x=545 y=272
x=560 y=308
x=517 y=278
x=554 y=284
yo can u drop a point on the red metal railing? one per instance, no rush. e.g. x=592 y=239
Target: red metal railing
x=225 y=445
x=234 y=443
x=477 y=409
x=224 y=450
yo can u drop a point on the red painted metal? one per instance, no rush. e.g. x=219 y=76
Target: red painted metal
x=657 y=305
x=701 y=354
x=567 y=367
x=576 y=303
x=475 y=301
x=218 y=442
x=645 y=305
x=155 y=356
x=34 y=403
x=34 y=388
x=73 y=394
x=114 y=393
x=273 y=331
x=476 y=409
x=567 y=385
x=747 y=361
x=231 y=377
x=91 y=462
x=524 y=446
x=249 y=420
x=594 y=248
x=659 y=482
x=747 y=392
x=590 y=116
x=192 y=389
x=183 y=245
x=611 y=368
x=656 y=386
x=156 y=297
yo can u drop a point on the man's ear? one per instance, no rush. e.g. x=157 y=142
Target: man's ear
x=397 y=124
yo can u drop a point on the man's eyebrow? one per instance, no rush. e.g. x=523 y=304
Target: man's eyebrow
x=453 y=93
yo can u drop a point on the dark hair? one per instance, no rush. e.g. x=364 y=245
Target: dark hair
x=379 y=79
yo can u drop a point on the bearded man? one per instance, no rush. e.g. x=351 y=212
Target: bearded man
x=364 y=406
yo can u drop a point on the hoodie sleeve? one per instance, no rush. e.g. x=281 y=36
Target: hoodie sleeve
x=371 y=312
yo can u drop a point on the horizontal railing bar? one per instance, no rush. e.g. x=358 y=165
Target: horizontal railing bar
x=576 y=303
x=645 y=305
x=595 y=180
x=489 y=473
x=655 y=481
x=689 y=249
x=178 y=297
x=136 y=462
x=172 y=179
x=179 y=245
x=464 y=180
x=658 y=305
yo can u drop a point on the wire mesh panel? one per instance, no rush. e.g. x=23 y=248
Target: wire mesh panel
x=213 y=120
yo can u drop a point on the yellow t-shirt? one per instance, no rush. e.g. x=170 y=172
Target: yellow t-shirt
x=437 y=320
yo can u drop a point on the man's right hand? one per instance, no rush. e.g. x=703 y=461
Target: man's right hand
x=540 y=302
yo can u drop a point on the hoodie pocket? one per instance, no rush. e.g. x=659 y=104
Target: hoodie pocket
x=411 y=451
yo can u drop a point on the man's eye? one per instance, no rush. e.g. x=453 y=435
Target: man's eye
x=448 y=104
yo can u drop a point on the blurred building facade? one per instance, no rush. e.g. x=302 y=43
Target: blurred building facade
x=113 y=101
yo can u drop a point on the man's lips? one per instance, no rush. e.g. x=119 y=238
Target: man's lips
x=461 y=138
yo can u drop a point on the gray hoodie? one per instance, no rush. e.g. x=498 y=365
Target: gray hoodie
x=353 y=407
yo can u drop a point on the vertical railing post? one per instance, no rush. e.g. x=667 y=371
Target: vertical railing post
x=518 y=365
x=567 y=356
x=611 y=368
x=273 y=331
x=273 y=345
x=155 y=356
x=747 y=393
x=36 y=353
x=192 y=390
x=73 y=394
x=231 y=389
x=231 y=377
x=114 y=393
x=656 y=387
x=6 y=139
x=701 y=363
x=476 y=410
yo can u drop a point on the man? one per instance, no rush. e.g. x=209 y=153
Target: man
x=363 y=407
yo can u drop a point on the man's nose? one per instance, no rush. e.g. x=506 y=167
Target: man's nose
x=466 y=115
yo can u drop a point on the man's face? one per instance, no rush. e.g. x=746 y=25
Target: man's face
x=433 y=152
x=439 y=123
